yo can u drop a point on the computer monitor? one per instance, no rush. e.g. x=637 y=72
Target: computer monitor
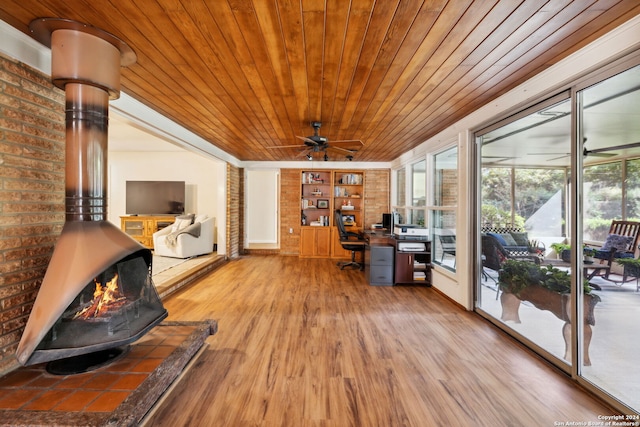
x=386 y=221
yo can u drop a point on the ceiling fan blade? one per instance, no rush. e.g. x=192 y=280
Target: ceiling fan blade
x=498 y=159
x=344 y=150
x=286 y=146
x=605 y=155
x=614 y=148
x=348 y=141
x=558 y=158
x=305 y=139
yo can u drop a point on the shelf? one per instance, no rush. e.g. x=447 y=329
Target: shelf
x=324 y=187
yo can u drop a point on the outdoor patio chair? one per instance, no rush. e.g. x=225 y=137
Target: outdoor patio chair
x=494 y=255
x=621 y=242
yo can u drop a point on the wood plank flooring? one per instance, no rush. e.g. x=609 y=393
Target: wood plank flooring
x=302 y=343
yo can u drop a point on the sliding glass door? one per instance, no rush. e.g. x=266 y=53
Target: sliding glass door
x=523 y=183
x=554 y=182
x=610 y=128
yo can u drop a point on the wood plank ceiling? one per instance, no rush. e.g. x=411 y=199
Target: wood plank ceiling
x=249 y=76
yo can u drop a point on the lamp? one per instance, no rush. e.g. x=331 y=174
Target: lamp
x=309 y=157
x=326 y=157
x=349 y=157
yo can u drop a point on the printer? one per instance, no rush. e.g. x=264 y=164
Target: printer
x=410 y=231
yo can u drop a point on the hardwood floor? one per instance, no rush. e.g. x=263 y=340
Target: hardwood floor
x=302 y=343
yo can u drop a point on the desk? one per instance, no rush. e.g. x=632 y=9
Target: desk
x=378 y=237
x=386 y=265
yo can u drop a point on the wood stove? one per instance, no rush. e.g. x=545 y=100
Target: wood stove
x=97 y=293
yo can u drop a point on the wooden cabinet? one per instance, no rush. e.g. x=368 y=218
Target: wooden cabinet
x=315 y=242
x=315 y=214
x=413 y=267
x=142 y=228
x=316 y=199
x=322 y=192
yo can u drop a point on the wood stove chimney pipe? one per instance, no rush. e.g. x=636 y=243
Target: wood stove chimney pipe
x=85 y=62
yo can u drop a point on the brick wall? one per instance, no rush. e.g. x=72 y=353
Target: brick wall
x=377 y=184
x=32 y=134
x=449 y=187
x=235 y=211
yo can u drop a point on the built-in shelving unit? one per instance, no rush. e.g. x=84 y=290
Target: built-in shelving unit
x=322 y=192
x=316 y=195
x=348 y=197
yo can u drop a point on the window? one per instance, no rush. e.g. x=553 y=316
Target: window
x=416 y=212
x=400 y=196
x=401 y=187
x=632 y=190
x=443 y=211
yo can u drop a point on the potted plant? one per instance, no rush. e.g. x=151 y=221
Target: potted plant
x=588 y=254
x=517 y=275
x=559 y=248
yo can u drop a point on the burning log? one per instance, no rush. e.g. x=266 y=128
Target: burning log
x=105 y=299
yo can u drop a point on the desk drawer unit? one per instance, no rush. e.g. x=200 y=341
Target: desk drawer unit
x=380 y=266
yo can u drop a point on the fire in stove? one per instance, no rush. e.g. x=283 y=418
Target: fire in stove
x=106 y=299
x=115 y=308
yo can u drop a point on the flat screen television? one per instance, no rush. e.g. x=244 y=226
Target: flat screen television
x=155 y=197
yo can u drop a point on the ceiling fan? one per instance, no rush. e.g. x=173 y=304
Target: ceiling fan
x=317 y=143
x=604 y=152
x=596 y=152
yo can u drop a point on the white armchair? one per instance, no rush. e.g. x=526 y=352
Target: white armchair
x=180 y=243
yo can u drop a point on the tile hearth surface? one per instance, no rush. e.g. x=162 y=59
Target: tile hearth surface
x=120 y=393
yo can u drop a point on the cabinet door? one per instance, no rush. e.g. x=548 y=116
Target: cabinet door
x=134 y=228
x=404 y=268
x=323 y=241
x=307 y=241
x=338 y=251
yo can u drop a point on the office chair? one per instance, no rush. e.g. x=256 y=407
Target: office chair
x=350 y=241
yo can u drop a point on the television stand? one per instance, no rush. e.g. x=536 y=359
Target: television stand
x=142 y=227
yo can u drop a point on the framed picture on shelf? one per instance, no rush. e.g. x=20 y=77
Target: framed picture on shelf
x=323 y=204
x=348 y=219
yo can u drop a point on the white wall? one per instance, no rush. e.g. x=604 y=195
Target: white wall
x=261 y=206
x=201 y=175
